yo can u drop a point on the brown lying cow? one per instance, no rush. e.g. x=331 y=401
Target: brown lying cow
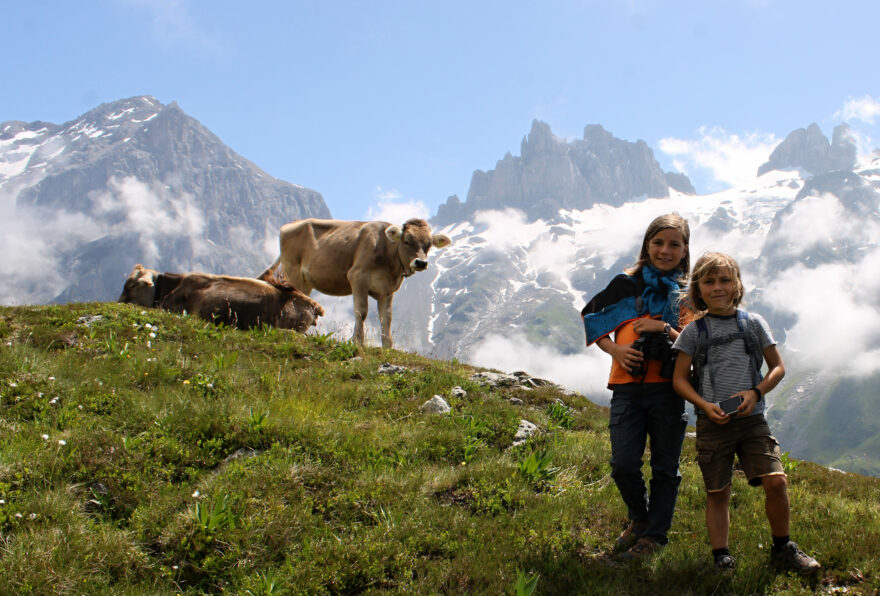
x=354 y=257
x=236 y=301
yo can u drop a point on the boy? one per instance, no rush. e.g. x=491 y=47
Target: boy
x=727 y=347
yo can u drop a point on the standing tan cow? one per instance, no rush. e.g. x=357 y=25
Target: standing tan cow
x=357 y=258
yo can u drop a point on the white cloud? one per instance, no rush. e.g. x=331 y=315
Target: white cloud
x=391 y=207
x=822 y=220
x=866 y=109
x=150 y=214
x=173 y=24
x=731 y=159
x=838 y=324
x=586 y=373
x=508 y=228
x=30 y=241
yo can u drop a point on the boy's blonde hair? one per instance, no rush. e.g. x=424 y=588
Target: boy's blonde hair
x=670 y=221
x=708 y=263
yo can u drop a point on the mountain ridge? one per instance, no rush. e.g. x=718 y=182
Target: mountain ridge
x=144 y=183
x=552 y=174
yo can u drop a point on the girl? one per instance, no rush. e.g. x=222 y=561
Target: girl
x=643 y=308
x=726 y=347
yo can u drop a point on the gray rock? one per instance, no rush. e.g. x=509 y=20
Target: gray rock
x=435 y=405
x=493 y=379
x=387 y=368
x=519 y=379
x=243 y=452
x=458 y=392
x=525 y=430
x=89 y=319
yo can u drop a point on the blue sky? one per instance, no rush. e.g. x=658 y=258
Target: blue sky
x=387 y=108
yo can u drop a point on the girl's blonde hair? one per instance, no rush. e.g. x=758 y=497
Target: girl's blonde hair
x=670 y=221
x=709 y=263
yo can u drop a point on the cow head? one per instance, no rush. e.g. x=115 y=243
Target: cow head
x=299 y=312
x=140 y=286
x=413 y=241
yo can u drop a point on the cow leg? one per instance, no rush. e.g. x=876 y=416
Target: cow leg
x=360 y=315
x=384 y=305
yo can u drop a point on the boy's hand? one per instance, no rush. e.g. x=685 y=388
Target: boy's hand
x=716 y=414
x=749 y=401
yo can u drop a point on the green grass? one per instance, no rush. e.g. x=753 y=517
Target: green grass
x=150 y=453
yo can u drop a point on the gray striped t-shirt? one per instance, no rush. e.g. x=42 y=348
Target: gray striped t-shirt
x=731 y=365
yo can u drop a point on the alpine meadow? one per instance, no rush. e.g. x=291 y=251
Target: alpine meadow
x=145 y=452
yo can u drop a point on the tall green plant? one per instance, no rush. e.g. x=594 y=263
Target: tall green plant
x=214 y=515
x=536 y=467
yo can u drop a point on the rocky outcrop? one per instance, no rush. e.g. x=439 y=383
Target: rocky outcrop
x=552 y=174
x=809 y=149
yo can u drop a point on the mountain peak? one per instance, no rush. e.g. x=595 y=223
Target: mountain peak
x=144 y=182
x=552 y=174
x=809 y=149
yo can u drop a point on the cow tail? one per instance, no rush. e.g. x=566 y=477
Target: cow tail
x=269 y=274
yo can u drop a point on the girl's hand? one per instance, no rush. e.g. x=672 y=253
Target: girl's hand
x=716 y=414
x=626 y=356
x=648 y=325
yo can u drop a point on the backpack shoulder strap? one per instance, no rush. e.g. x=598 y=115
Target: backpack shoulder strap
x=701 y=352
x=752 y=349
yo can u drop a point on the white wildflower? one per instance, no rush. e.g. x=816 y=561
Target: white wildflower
x=51 y=378
x=32 y=516
x=13 y=384
x=19 y=515
x=152 y=335
x=62 y=442
x=80 y=407
x=54 y=400
x=2 y=502
x=148 y=326
x=45 y=437
x=196 y=495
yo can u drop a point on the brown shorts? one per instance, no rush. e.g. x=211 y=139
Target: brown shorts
x=748 y=438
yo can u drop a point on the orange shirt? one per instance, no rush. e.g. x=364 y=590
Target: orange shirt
x=624 y=335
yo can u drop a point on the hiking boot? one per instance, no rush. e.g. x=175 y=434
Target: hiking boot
x=643 y=548
x=630 y=535
x=725 y=563
x=794 y=558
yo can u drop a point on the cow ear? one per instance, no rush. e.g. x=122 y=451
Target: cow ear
x=440 y=240
x=394 y=233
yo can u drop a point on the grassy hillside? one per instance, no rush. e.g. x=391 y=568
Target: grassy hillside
x=839 y=428
x=146 y=453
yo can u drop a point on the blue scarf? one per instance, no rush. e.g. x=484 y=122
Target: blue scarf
x=619 y=303
x=662 y=294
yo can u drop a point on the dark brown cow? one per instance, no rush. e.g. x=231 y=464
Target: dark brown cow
x=357 y=258
x=236 y=301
